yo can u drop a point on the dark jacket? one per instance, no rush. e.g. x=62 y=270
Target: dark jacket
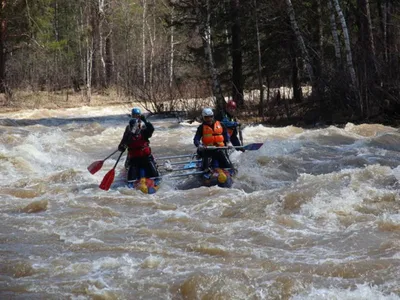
x=146 y=133
x=230 y=122
x=199 y=134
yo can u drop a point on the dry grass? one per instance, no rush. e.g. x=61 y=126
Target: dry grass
x=60 y=99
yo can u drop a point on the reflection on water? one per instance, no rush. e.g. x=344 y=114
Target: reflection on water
x=313 y=214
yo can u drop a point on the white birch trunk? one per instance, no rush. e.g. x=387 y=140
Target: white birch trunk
x=89 y=63
x=172 y=49
x=152 y=39
x=208 y=52
x=101 y=39
x=349 y=57
x=335 y=34
x=144 y=41
x=370 y=31
x=300 y=40
x=259 y=75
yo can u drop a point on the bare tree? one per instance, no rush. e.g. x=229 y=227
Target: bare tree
x=301 y=42
x=335 y=35
x=349 y=56
x=259 y=65
x=205 y=31
x=144 y=16
x=237 y=78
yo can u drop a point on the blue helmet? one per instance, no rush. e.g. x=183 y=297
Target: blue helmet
x=136 y=111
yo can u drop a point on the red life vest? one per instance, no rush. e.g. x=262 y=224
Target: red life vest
x=138 y=147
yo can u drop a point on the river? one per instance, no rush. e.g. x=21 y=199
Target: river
x=313 y=214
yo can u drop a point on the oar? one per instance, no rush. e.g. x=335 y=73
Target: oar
x=191 y=173
x=179 y=175
x=97 y=165
x=240 y=135
x=252 y=147
x=109 y=177
x=249 y=147
x=176 y=156
x=176 y=175
x=184 y=162
x=184 y=169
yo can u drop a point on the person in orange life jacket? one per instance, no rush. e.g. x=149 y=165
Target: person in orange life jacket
x=212 y=133
x=228 y=118
x=136 y=139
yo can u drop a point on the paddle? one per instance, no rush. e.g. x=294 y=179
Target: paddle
x=249 y=147
x=172 y=176
x=109 y=177
x=184 y=162
x=97 y=165
x=176 y=156
x=240 y=135
x=252 y=147
x=186 y=167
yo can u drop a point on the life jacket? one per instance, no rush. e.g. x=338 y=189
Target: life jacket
x=138 y=146
x=213 y=136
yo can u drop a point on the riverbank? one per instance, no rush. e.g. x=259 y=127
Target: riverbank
x=22 y=100
x=277 y=115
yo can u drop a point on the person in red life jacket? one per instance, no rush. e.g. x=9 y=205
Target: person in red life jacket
x=228 y=118
x=136 y=139
x=212 y=133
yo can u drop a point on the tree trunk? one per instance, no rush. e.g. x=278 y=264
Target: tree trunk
x=3 y=37
x=101 y=49
x=152 y=40
x=301 y=42
x=206 y=36
x=335 y=35
x=109 y=67
x=297 y=92
x=383 y=13
x=237 y=77
x=368 y=69
x=259 y=67
x=144 y=42
x=89 y=58
x=171 y=57
x=349 y=57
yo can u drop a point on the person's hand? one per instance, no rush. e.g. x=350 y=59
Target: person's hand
x=229 y=145
x=143 y=118
x=121 y=147
x=201 y=147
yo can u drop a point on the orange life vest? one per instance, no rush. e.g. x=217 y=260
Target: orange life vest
x=213 y=136
x=138 y=147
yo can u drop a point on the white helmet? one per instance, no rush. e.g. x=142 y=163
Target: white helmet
x=207 y=112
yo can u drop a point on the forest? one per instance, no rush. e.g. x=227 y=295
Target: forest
x=301 y=62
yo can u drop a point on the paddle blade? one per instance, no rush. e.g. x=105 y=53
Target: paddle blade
x=94 y=167
x=253 y=147
x=107 y=180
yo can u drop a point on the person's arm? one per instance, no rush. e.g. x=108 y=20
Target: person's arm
x=124 y=141
x=148 y=132
x=234 y=138
x=197 y=136
x=227 y=139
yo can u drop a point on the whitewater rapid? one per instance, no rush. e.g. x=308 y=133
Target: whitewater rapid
x=313 y=214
